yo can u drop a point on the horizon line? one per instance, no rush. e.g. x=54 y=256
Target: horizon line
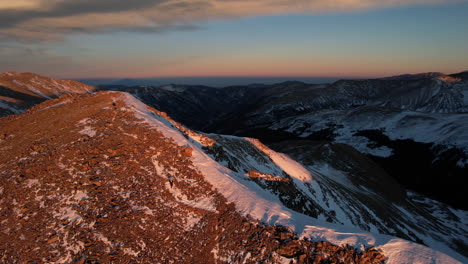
x=277 y=76
x=291 y=77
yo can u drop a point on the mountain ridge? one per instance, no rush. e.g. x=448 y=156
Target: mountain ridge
x=116 y=201
x=19 y=91
x=316 y=190
x=124 y=126
x=374 y=116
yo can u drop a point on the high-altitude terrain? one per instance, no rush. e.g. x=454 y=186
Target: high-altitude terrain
x=104 y=177
x=414 y=126
x=19 y=91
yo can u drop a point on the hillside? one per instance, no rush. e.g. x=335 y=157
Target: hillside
x=413 y=126
x=19 y=91
x=104 y=177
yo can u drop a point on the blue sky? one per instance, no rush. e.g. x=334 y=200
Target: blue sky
x=362 y=42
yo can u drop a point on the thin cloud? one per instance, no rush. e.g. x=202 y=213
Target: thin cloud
x=35 y=59
x=33 y=20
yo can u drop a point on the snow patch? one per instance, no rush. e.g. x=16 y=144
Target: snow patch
x=80 y=195
x=288 y=165
x=31 y=182
x=55 y=105
x=204 y=203
x=32 y=89
x=88 y=131
x=9 y=107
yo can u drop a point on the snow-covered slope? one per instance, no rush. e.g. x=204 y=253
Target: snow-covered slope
x=402 y=105
x=438 y=95
x=19 y=91
x=41 y=86
x=165 y=188
x=440 y=129
x=427 y=152
x=207 y=108
x=115 y=181
x=313 y=197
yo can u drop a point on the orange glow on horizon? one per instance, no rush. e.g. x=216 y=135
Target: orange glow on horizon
x=252 y=70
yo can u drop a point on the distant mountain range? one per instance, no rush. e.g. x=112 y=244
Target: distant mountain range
x=207 y=81
x=124 y=174
x=417 y=122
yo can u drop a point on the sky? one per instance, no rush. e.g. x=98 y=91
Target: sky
x=233 y=38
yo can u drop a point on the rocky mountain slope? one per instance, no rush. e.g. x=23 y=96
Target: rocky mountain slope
x=257 y=105
x=207 y=108
x=19 y=91
x=410 y=121
x=414 y=126
x=102 y=177
x=337 y=184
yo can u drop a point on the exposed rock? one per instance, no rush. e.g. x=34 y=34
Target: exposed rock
x=266 y=176
x=94 y=190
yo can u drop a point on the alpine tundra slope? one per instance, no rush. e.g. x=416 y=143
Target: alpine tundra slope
x=413 y=126
x=117 y=179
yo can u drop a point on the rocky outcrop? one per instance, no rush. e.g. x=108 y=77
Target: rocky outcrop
x=265 y=176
